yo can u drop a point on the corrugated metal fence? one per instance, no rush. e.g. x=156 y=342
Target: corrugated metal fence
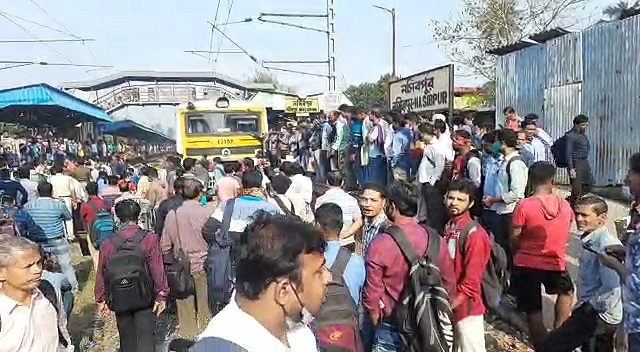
x=595 y=72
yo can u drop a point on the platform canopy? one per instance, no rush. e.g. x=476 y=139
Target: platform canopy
x=132 y=129
x=44 y=104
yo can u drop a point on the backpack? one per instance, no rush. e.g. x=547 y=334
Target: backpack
x=336 y=325
x=220 y=262
x=494 y=280
x=283 y=207
x=508 y=170
x=559 y=151
x=103 y=226
x=8 y=225
x=181 y=284
x=128 y=281
x=423 y=315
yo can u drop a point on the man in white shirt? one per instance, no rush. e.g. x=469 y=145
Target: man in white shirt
x=445 y=143
x=431 y=207
x=28 y=318
x=352 y=217
x=24 y=174
x=511 y=185
x=273 y=306
x=64 y=188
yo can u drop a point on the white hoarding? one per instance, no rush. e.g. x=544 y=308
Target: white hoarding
x=427 y=91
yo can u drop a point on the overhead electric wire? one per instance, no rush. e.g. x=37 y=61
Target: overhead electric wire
x=215 y=22
x=15 y=66
x=93 y=57
x=25 y=41
x=223 y=32
x=253 y=58
x=38 y=24
x=45 y=63
x=36 y=37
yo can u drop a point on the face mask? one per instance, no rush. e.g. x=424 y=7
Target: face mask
x=496 y=149
x=305 y=316
x=626 y=193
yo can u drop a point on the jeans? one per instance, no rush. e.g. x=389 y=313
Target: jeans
x=322 y=165
x=386 y=339
x=137 y=330
x=377 y=170
x=61 y=249
x=68 y=301
x=634 y=342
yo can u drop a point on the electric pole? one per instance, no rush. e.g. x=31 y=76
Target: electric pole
x=331 y=45
x=392 y=12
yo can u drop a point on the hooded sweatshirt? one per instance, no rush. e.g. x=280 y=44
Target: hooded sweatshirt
x=546 y=225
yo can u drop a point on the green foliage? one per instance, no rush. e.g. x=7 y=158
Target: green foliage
x=370 y=94
x=483 y=25
x=264 y=76
x=621 y=10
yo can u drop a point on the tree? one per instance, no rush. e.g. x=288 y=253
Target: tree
x=487 y=24
x=370 y=94
x=621 y=10
x=264 y=76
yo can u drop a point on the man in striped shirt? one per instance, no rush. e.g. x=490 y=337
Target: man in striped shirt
x=48 y=230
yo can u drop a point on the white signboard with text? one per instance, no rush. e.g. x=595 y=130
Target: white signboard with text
x=427 y=91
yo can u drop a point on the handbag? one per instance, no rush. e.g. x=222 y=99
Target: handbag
x=181 y=284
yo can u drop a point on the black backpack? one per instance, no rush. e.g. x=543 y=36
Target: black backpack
x=494 y=280
x=559 y=151
x=423 y=315
x=127 y=278
x=336 y=326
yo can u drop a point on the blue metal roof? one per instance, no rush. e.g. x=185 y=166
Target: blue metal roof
x=132 y=129
x=45 y=95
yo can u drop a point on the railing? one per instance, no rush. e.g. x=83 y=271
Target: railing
x=161 y=94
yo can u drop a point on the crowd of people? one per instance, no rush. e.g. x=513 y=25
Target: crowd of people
x=364 y=231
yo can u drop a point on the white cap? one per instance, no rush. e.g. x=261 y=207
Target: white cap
x=439 y=117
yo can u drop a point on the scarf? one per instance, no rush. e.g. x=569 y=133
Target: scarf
x=254 y=192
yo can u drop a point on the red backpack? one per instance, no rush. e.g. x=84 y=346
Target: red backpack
x=336 y=326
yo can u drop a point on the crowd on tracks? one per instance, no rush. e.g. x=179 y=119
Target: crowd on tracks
x=362 y=230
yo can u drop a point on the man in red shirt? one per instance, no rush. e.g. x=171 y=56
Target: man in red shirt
x=470 y=247
x=387 y=268
x=542 y=226
x=88 y=212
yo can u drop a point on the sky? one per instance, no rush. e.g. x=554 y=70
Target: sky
x=153 y=35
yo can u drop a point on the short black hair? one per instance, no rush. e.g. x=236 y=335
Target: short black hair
x=489 y=137
x=280 y=183
x=251 y=179
x=92 y=189
x=329 y=217
x=127 y=210
x=531 y=117
x=113 y=180
x=178 y=185
x=427 y=129
x=440 y=125
x=189 y=163
x=270 y=249
x=580 y=119
x=404 y=196
x=508 y=110
x=24 y=172
x=56 y=169
x=231 y=167
x=508 y=137
x=463 y=134
x=45 y=189
x=376 y=187
x=192 y=188
x=249 y=163
x=286 y=167
x=335 y=178
x=634 y=163
x=541 y=173
x=217 y=160
x=466 y=186
x=597 y=204
x=528 y=122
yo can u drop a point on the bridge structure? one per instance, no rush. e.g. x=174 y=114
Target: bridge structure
x=158 y=88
